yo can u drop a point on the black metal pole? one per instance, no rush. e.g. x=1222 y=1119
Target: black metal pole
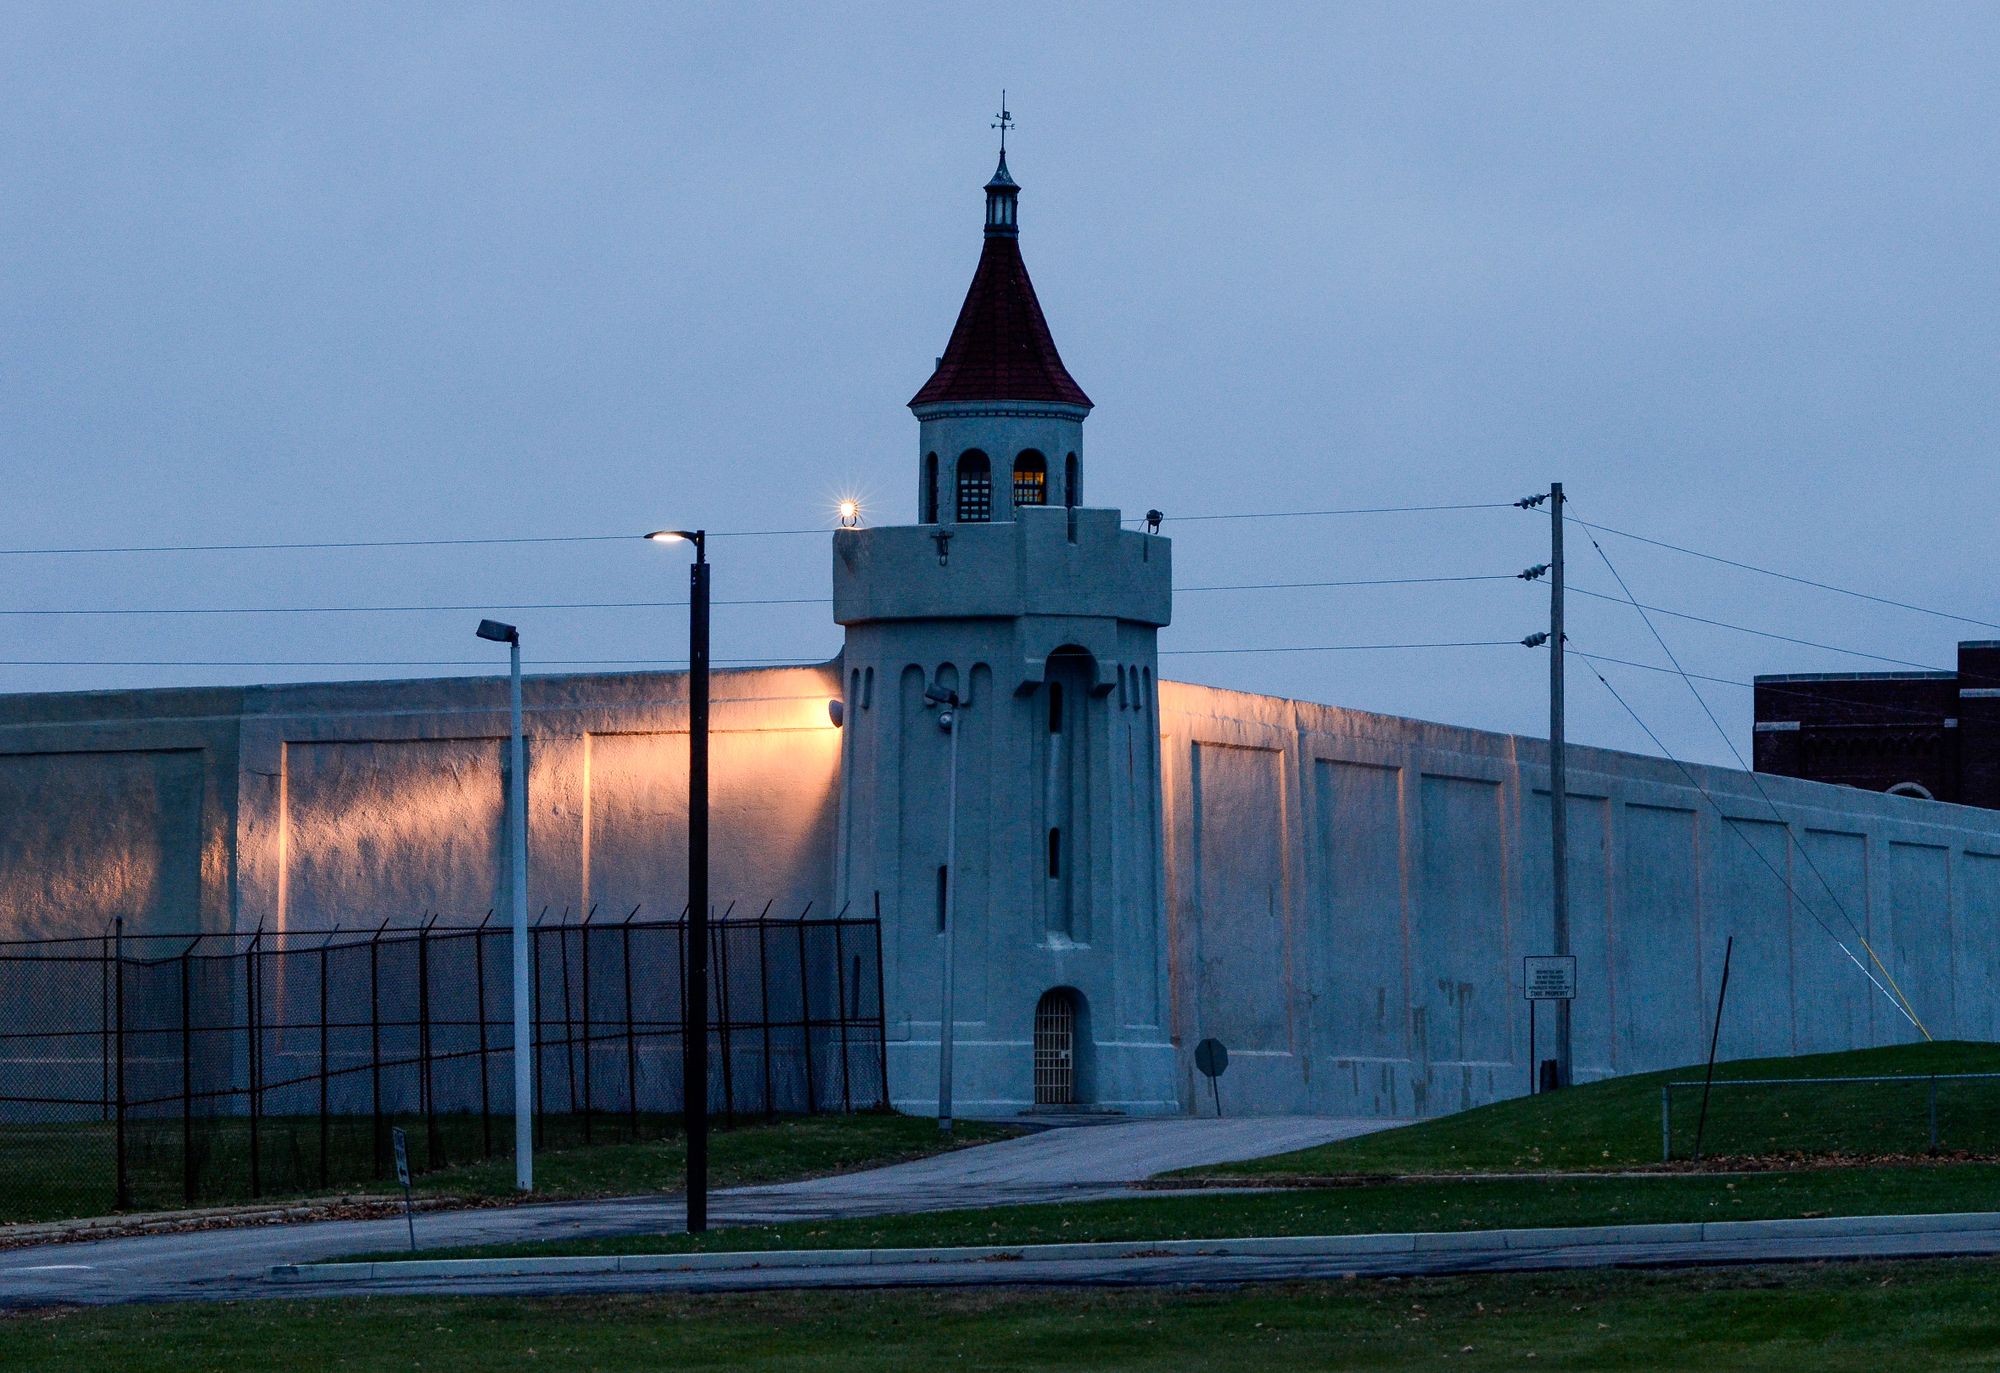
x=325 y=1058
x=881 y=1008
x=631 y=1033
x=721 y=956
x=840 y=993
x=583 y=953
x=426 y=1084
x=806 y=1017
x=485 y=1082
x=1714 y=1035
x=124 y=1188
x=694 y=1039
x=764 y=1004
x=256 y=1015
x=187 y=1078
x=378 y=1140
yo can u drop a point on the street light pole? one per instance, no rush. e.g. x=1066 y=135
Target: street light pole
x=948 y=721
x=694 y=1030
x=517 y=845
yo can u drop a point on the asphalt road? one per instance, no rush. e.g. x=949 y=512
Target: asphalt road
x=1072 y=1164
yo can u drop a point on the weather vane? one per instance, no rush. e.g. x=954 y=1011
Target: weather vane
x=1003 y=122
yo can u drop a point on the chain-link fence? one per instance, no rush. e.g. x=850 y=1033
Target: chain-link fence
x=164 y=1070
x=1862 y=1117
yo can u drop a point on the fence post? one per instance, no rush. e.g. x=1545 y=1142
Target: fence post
x=583 y=955
x=631 y=1036
x=1666 y=1123
x=719 y=960
x=479 y=983
x=325 y=1058
x=535 y=1029
x=764 y=1004
x=433 y=1144
x=378 y=1137
x=569 y=1024
x=188 y=1179
x=805 y=1016
x=255 y=1012
x=1933 y=1106
x=881 y=1009
x=123 y=1197
x=106 y=1019
x=840 y=1004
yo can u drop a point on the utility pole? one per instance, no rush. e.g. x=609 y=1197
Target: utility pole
x=1558 y=777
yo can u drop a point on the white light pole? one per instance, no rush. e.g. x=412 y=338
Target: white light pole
x=517 y=844
x=948 y=722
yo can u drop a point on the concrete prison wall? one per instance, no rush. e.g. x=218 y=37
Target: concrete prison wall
x=298 y=807
x=1350 y=897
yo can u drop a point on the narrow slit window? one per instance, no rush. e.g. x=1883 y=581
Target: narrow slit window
x=943 y=894
x=1055 y=707
x=1055 y=853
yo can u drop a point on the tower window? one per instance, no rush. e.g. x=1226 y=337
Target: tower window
x=927 y=512
x=1072 y=482
x=975 y=488
x=1055 y=853
x=1031 y=479
x=943 y=894
x=1055 y=707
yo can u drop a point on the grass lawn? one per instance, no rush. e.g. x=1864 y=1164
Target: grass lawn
x=1826 y=1319
x=55 y=1172
x=1455 y=1204
x=1616 y=1123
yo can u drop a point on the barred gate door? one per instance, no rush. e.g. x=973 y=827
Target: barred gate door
x=1055 y=1049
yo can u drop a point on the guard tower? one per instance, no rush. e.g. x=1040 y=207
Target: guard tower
x=1040 y=615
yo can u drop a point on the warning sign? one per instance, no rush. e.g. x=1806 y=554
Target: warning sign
x=1549 y=978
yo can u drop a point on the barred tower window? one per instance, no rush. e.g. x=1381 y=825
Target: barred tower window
x=1031 y=479
x=975 y=488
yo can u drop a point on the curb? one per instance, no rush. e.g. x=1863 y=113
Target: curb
x=1273 y=1246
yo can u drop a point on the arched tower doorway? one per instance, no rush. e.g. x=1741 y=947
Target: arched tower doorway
x=1055 y=1048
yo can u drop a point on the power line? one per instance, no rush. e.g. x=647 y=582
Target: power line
x=601 y=662
x=1749 y=772
x=1927 y=716
x=1762 y=857
x=655 y=605
x=337 y=545
x=386 y=609
x=1343 y=648
x=1760 y=633
x=1788 y=577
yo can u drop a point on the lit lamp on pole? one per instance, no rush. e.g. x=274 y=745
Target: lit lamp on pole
x=949 y=704
x=694 y=1031
x=517 y=846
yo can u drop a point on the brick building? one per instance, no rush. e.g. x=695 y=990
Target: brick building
x=1934 y=734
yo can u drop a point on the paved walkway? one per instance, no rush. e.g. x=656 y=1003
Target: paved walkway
x=1070 y=1164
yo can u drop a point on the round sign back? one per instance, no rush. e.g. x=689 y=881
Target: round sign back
x=1211 y=1059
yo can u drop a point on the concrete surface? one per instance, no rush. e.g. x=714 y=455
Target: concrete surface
x=1730 y=1241
x=1240 y=1261
x=1076 y=1164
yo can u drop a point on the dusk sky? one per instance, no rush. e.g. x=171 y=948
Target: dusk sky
x=285 y=273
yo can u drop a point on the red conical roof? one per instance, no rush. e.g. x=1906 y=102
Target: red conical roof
x=1001 y=348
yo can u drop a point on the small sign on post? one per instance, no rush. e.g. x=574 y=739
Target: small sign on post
x=402 y=1143
x=1549 y=978
x=1211 y=1060
x=1545 y=977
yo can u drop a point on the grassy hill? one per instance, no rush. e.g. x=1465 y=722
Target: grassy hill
x=1615 y=1124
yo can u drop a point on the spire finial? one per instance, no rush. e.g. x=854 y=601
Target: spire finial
x=1003 y=122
